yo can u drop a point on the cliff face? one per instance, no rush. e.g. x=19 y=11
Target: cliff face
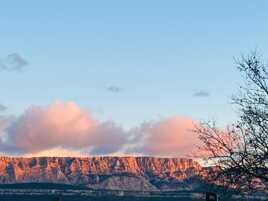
x=126 y=173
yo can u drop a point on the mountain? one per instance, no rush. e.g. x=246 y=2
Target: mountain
x=114 y=173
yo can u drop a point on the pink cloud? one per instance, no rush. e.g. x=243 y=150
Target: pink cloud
x=169 y=137
x=67 y=129
x=65 y=125
x=57 y=151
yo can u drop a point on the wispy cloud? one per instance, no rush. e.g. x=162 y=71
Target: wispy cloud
x=13 y=62
x=201 y=94
x=2 y=107
x=114 y=89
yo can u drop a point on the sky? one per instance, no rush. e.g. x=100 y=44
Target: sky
x=120 y=67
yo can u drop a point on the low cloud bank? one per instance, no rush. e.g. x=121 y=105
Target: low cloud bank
x=167 y=137
x=61 y=124
x=65 y=129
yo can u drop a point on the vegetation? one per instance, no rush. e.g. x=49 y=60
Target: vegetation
x=63 y=192
x=241 y=150
x=42 y=186
x=104 y=198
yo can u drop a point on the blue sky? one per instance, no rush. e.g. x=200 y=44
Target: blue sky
x=158 y=53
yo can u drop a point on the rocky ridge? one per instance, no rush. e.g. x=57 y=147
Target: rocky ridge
x=116 y=173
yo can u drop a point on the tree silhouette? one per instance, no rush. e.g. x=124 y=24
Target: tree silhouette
x=240 y=151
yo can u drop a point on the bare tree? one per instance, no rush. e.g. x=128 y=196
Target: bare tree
x=241 y=150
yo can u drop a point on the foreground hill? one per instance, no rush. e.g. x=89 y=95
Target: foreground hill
x=114 y=173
